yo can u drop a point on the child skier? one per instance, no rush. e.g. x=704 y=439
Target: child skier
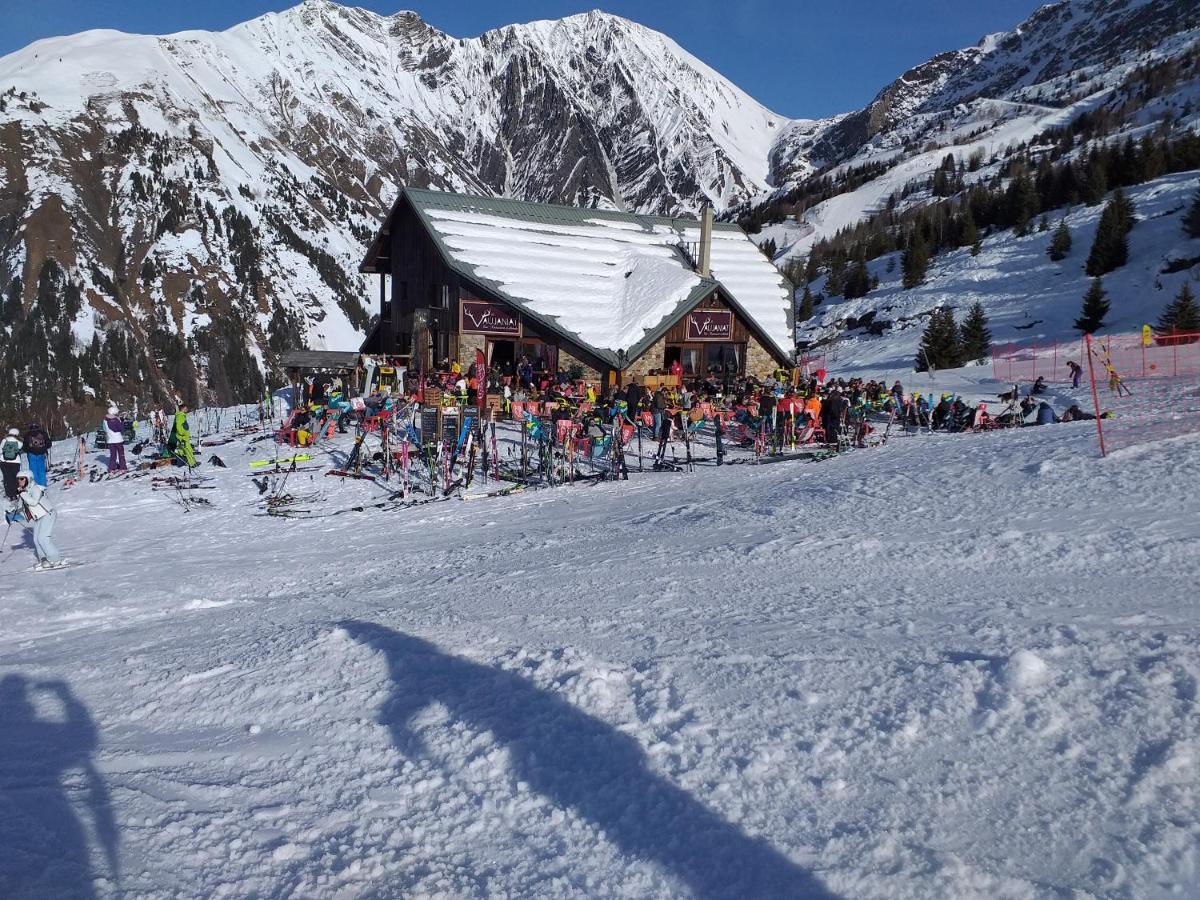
x=10 y=461
x=33 y=507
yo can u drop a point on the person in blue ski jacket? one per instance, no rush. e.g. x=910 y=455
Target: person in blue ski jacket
x=1045 y=414
x=37 y=452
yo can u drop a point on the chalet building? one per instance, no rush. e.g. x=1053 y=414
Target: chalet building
x=617 y=293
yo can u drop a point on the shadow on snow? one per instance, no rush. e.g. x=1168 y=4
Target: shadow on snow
x=581 y=763
x=43 y=843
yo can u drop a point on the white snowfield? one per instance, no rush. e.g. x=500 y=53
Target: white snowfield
x=955 y=666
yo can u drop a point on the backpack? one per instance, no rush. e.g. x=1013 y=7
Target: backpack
x=36 y=441
x=12 y=450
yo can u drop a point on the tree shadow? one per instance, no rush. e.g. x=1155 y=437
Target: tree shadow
x=43 y=843
x=581 y=763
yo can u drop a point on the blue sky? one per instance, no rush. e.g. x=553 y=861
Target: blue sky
x=799 y=57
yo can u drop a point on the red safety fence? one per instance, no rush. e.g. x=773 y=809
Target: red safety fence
x=810 y=363
x=1143 y=387
x=1026 y=362
x=1133 y=355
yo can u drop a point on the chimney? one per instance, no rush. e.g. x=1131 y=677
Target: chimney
x=704 y=267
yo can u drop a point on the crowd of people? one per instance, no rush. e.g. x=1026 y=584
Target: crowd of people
x=778 y=412
x=25 y=487
x=25 y=461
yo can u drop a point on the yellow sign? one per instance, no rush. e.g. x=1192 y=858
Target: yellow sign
x=1146 y=338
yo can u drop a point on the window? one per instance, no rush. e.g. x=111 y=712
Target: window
x=722 y=359
x=690 y=358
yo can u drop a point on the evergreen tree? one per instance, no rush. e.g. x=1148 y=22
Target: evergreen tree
x=968 y=231
x=806 y=306
x=1110 y=249
x=1095 y=185
x=858 y=281
x=1182 y=316
x=1191 y=218
x=1022 y=201
x=1044 y=223
x=1095 y=308
x=835 y=284
x=976 y=338
x=941 y=345
x=915 y=261
x=1060 y=243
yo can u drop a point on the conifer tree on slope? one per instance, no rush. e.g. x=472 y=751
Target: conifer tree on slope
x=1110 y=249
x=1095 y=308
x=1060 y=242
x=976 y=337
x=968 y=231
x=1181 y=316
x=941 y=346
x=806 y=305
x=858 y=281
x=915 y=261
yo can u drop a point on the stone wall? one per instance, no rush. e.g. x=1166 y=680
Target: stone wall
x=468 y=343
x=566 y=360
x=651 y=359
x=760 y=363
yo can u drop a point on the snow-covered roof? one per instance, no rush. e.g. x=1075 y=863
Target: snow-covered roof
x=614 y=280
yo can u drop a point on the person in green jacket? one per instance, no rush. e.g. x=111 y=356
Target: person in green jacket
x=180 y=442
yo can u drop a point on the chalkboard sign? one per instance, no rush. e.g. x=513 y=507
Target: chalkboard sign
x=450 y=427
x=429 y=424
x=472 y=413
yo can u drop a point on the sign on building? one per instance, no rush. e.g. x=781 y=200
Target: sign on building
x=710 y=325
x=479 y=317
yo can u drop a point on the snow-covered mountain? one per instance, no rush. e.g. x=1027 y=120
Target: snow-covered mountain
x=1069 y=58
x=237 y=175
x=208 y=195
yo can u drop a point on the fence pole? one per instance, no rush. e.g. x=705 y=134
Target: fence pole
x=1095 y=395
x=1174 y=359
x=1054 y=374
x=1143 y=359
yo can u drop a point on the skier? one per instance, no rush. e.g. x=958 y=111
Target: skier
x=37 y=452
x=181 y=437
x=32 y=506
x=10 y=461
x=1076 y=371
x=114 y=434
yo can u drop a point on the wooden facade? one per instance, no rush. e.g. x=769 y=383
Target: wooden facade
x=431 y=314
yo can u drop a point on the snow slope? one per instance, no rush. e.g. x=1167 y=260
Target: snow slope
x=1027 y=298
x=955 y=666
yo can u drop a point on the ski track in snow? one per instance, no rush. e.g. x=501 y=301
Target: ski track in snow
x=955 y=666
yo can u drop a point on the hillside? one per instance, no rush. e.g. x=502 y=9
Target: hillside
x=1027 y=297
